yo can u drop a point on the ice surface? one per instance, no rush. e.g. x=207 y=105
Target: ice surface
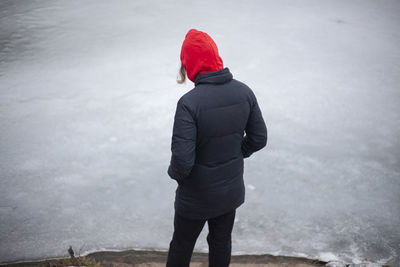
x=87 y=99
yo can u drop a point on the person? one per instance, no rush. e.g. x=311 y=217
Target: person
x=216 y=125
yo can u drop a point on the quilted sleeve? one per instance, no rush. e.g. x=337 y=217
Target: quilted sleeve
x=256 y=131
x=183 y=146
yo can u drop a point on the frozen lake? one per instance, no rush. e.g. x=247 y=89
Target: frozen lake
x=87 y=98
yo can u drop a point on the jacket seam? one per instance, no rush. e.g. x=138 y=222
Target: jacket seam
x=206 y=109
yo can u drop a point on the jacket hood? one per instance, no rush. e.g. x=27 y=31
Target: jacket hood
x=199 y=53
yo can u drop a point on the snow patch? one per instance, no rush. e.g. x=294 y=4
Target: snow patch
x=251 y=187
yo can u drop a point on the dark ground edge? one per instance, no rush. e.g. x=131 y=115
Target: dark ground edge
x=145 y=256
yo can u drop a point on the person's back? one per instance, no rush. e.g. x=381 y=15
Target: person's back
x=208 y=148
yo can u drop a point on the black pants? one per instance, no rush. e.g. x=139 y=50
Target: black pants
x=185 y=235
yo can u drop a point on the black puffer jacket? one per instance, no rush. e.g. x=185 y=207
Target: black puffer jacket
x=208 y=144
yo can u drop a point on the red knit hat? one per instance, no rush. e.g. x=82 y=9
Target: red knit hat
x=199 y=53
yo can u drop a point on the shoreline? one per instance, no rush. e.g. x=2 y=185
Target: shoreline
x=158 y=258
